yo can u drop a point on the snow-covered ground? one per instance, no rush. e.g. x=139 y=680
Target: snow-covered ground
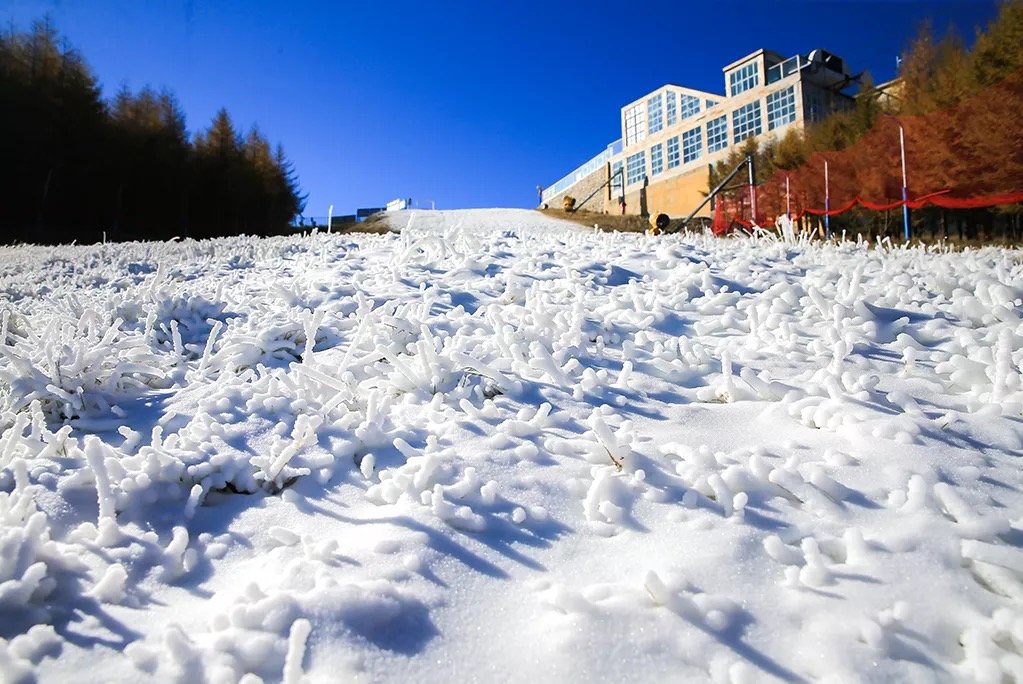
x=498 y=447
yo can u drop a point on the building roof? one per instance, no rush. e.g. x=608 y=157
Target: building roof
x=752 y=55
x=685 y=89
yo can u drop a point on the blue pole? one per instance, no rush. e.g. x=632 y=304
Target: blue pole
x=905 y=215
x=905 y=193
x=827 y=203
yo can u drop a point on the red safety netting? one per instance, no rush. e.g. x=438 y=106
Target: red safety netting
x=967 y=156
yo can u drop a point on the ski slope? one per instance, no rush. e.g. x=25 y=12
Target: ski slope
x=497 y=447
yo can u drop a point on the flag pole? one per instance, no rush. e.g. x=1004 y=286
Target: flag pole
x=827 y=203
x=788 y=203
x=905 y=193
x=752 y=192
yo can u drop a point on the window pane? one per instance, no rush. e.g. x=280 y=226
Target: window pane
x=692 y=145
x=671 y=108
x=814 y=107
x=690 y=106
x=635 y=168
x=781 y=108
x=743 y=78
x=635 y=124
x=656 y=159
x=654 y=114
x=673 y=156
x=717 y=134
x=746 y=122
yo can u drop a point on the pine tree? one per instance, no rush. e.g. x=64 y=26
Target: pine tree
x=292 y=201
x=954 y=73
x=257 y=186
x=867 y=109
x=216 y=181
x=151 y=149
x=763 y=161
x=220 y=141
x=916 y=70
x=53 y=121
x=998 y=52
x=791 y=151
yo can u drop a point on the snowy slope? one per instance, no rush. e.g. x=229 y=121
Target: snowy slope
x=499 y=447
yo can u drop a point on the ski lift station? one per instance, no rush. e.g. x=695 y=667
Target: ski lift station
x=670 y=137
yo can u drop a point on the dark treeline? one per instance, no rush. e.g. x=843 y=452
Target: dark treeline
x=75 y=166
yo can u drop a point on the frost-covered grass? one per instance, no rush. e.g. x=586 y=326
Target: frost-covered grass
x=499 y=447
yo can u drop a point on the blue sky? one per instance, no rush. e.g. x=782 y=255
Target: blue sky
x=468 y=104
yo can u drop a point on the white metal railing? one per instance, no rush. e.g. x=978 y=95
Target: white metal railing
x=582 y=172
x=786 y=68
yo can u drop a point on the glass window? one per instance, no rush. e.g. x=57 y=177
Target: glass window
x=709 y=103
x=743 y=78
x=671 y=107
x=814 y=107
x=673 y=156
x=781 y=108
x=635 y=168
x=690 y=106
x=657 y=159
x=692 y=145
x=654 y=114
x=746 y=122
x=635 y=128
x=616 y=175
x=717 y=134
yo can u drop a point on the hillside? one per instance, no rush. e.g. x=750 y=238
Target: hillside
x=500 y=447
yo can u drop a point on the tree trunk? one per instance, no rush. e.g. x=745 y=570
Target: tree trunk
x=118 y=209
x=42 y=201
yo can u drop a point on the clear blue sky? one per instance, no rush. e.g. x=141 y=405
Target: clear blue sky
x=470 y=104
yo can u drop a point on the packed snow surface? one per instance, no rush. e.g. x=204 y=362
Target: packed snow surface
x=500 y=447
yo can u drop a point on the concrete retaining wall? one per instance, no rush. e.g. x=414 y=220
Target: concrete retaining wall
x=582 y=190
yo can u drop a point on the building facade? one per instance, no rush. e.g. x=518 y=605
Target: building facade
x=671 y=136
